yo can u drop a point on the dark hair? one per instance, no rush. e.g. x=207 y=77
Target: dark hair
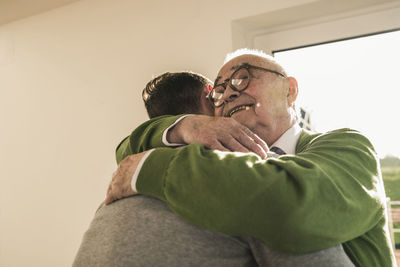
x=174 y=93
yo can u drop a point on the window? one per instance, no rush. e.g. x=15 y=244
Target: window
x=352 y=83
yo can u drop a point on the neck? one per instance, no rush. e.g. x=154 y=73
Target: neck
x=271 y=135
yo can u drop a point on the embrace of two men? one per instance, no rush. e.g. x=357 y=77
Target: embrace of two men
x=247 y=187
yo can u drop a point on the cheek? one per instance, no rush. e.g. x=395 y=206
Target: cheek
x=266 y=109
x=261 y=109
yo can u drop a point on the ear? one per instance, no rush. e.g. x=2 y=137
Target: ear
x=293 y=91
x=206 y=107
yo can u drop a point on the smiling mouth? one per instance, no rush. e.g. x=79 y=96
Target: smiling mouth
x=237 y=109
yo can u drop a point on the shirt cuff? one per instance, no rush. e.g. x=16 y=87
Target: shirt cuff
x=136 y=173
x=271 y=154
x=164 y=136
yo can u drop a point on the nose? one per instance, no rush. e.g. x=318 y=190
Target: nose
x=230 y=94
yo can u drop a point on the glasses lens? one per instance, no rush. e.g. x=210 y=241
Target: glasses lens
x=240 y=79
x=216 y=95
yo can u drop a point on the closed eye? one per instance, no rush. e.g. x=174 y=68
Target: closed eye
x=238 y=81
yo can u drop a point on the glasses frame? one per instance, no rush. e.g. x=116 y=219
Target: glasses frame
x=229 y=81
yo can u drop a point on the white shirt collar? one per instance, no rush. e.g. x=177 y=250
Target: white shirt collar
x=288 y=140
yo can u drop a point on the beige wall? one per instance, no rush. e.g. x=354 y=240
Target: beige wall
x=70 y=83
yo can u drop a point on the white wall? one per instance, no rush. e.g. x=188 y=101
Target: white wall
x=70 y=83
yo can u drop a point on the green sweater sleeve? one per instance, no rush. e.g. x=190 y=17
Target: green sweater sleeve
x=329 y=193
x=148 y=135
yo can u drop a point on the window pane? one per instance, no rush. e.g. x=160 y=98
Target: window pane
x=353 y=83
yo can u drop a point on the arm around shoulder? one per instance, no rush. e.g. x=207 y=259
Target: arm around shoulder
x=148 y=135
x=308 y=197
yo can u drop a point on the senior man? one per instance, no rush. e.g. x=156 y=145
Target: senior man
x=326 y=191
x=142 y=231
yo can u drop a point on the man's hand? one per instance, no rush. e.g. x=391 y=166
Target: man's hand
x=219 y=133
x=120 y=185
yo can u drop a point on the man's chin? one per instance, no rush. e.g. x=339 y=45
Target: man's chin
x=244 y=120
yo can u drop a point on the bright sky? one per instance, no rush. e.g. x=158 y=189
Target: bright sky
x=354 y=83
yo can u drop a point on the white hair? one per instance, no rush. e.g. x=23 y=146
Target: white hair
x=248 y=51
x=254 y=52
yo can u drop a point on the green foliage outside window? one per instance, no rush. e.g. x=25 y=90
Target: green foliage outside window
x=391 y=178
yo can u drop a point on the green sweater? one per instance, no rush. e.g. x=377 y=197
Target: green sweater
x=329 y=193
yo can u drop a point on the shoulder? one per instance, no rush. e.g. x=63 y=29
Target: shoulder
x=338 y=137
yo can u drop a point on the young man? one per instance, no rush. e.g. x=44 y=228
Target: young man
x=325 y=192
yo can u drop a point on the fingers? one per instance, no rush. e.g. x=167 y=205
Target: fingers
x=108 y=200
x=116 y=191
x=221 y=133
x=217 y=145
x=241 y=142
x=262 y=143
x=112 y=192
x=119 y=186
x=232 y=144
x=256 y=138
x=237 y=137
x=253 y=142
x=109 y=197
x=252 y=146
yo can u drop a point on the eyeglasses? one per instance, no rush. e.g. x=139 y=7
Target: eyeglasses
x=239 y=81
